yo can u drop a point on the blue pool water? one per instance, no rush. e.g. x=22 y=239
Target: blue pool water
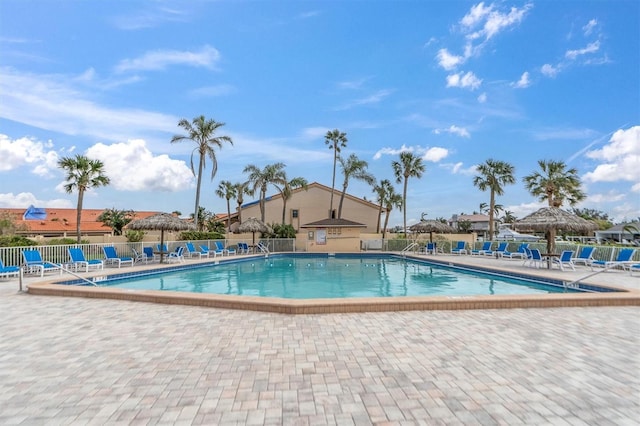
x=310 y=277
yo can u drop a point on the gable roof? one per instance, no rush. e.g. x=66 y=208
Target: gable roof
x=334 y=223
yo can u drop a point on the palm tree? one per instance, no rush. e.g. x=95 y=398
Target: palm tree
x=388 y=198
x=493 y=176
x=241 y=190
x=259 y=179
x=355 y=168
x=508 y=217
x=82 y=174
x=380 y=190
x=409 y=166
x=286 y=191
x=202 y=132
x=336 y=140
x=227 y=190
x=116 y=219
x=555 y=184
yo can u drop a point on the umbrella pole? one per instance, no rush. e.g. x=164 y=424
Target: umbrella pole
x=161 y=245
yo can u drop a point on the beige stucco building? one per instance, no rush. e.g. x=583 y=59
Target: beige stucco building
x=312 y=205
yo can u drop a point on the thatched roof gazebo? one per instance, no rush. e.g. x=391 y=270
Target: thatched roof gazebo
x=553 y=219
x=254 y=225
x=431 y=226
x=161 y=222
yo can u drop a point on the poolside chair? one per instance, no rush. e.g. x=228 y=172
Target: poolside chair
x=535 y=258
x=192 y=252
x=585 y=256
x=520 y=253
x=460 y=248
x=430 y=248
x=243 y=248
x=162 y=247
x=221 y=248
x=78 y=260
x=176 y=255
x=111 y=257
x=502 y=247
x=486 y=246
x=624 y=258
x=139 y=256
x=7 y=271
x=565 y=259
x=206 y=252
x=262 y=247
x=633 y=267
x=148 y=251
x=33 y=263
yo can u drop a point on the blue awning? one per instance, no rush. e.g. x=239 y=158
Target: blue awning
x=34 y=213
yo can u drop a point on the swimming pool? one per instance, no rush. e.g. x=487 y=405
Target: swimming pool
x=301 y=276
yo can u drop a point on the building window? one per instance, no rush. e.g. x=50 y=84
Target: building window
x=294 y=213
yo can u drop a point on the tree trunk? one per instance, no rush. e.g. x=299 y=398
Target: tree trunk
x=344 y=190
x=263 y=195
x=404 y=206
x=386 y=223
x=229 y=215
x=195 y=214
x=378 y=224
x=79 y=214
x=284 y=208
x=333 y=181
x=492 y=203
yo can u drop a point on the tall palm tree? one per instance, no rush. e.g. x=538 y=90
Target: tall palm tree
x=116 y=219
x=286 y=191
x=508 y=217
x=555 y=184
x=355 y=168
x=388 y=198
x=82 y=175
x=494 y=175
x=202 y=131
x=336 y=140
x=242 y=189
x=260 y=179
x=380 y=190
x=409 y=165
x=227 y=190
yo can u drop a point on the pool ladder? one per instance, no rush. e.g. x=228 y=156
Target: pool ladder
x=410 y=247
x=62 y=269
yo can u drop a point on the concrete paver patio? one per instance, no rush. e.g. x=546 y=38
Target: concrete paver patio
x=92 y=361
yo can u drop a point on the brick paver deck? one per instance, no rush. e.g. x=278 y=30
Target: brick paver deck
x=92 y=361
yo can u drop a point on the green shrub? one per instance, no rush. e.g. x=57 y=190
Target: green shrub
x=198 y=235
x=281 y=231
x=134 y=236
x=16 y=241
x=65 y=241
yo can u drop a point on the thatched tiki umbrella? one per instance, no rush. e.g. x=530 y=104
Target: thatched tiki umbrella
x=254 y=225
x=161 y=222
x=431 y=226
x=552 y=219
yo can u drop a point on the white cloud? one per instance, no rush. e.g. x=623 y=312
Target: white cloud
x=132 y=167
x=53 y=103
x=149 y=18
x=620 y=159
x=468 y=80
x=476 y=14
x=549 y=70
x=314 y=132
x=374 y=98
x=524 y=81
x=448 y=61
x=26 y=199
x=212 y=91
x=490 y=20
x=207 y=57
x=27 y=152
x=435 y=154
x=392 y=151
x=458 y=169
x=353 y=84
x=482 y=98
x=454 y=130
x=591 y=48
x=609 y=197
x=589 y=27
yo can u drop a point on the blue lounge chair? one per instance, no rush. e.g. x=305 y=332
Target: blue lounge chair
x=520 y=253
x=565 y=259
x=430 y=248
x=502 y=247
x=460 y=248
x=33 y=263
x=624 y=258
x=176 y=255
x=192 y=252
x=633 y=267
x=585 y=256
x=534 y=258
x=148 y=251
x=206 y=252
x=486 y=246
x=221 y=249
x=78 y=260
x=7 y=271
x=111 y=257
x=243 y=248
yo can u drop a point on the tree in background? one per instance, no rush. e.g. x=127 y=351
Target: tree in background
x=260 y=179
x=82 y=175
x=508 y=217
x=409 y=166
x=242 y=189
x=388 y=199
x=116 y=219
x=599 y=217
x=355 y=168
x=227 y=190
x=286 y=191
x=336 y=140
x=202 y=131
x=493 y=176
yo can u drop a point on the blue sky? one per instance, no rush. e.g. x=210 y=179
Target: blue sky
x=455 y=82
